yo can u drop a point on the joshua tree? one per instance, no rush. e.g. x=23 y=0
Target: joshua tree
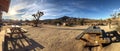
x=36 y=17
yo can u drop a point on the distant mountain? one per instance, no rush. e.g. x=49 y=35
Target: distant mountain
x=72 y=18
x=68 y=19
x=64 y=18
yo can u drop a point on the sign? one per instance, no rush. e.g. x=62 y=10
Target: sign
x=4 y=5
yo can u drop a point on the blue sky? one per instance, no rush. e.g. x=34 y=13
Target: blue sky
x=94 y=9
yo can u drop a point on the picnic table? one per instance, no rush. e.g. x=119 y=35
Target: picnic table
x=15 y=29
x=93 y=36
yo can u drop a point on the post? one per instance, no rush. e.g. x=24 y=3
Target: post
x=0 y=16
x=0 y=20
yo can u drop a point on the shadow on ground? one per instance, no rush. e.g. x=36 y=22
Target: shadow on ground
x=114 y=37
x=20 y=42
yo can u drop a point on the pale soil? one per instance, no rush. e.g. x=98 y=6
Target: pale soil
x=57 y=38
x=53 y=38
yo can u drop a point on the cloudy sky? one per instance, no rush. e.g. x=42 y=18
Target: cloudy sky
x=95 y=9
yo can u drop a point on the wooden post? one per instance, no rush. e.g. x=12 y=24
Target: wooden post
x=0 y=20
x=0 y=16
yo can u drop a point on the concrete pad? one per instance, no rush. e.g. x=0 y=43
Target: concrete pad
x=2 y=35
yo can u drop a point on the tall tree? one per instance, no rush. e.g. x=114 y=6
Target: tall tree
x=37 y=17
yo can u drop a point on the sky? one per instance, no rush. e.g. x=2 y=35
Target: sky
x=93 y=9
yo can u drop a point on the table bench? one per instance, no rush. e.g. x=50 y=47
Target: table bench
x=15 y=30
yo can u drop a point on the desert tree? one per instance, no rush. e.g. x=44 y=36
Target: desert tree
x=114 y=16
x=82 y=22
x=37 y=17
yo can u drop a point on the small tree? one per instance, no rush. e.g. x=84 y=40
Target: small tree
x=37 y=17
x=81 y=21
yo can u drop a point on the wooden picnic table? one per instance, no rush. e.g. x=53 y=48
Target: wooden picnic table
x=15 y=29
x=93 y=38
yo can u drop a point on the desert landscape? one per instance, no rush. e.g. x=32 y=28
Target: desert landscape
x=52 y=38
x=59 y=25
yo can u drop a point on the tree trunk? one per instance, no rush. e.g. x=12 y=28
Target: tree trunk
x=36 y=23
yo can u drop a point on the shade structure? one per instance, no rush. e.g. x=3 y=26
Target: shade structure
x=4 y=5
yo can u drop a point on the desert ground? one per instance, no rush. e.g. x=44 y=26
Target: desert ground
x=52 y=38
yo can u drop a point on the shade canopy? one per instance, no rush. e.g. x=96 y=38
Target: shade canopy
x=4 y=5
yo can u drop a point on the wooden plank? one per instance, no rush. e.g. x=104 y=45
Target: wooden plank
x=24 y=30
x=91 y=30
x=8 y=31
x=81 y=35
x=97 y=31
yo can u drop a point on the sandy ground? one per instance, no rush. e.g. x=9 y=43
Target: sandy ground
x=57 y=38
x=53 y=38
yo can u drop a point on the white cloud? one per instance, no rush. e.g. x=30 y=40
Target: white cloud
x=13 y=10
x=83 y=5
x=31 y=7
x=116 y=10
